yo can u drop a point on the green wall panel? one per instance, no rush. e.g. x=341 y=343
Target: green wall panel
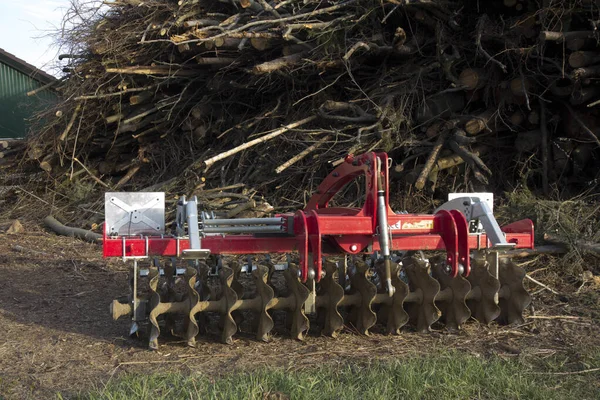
x=15 y=106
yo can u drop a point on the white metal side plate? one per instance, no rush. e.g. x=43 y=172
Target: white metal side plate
x=487 y=197
x=139 y=213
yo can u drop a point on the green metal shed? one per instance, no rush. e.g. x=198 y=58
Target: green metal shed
x=17 y=77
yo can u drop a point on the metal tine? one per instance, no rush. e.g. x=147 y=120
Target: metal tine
x=363 y=314
x=266 y=294
x=451 y=300
x=331 y=294
x=236 y=285
x=203 y=292
x=484 y=287
x=392 y=310
x=192 y=326
x=420 y=305
x=228 y=299
x=299 y=321
x=513 y=296
x=169 y=294
x=173 y=305
x=153 y=275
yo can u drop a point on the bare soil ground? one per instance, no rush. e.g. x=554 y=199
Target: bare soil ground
x=56 y=334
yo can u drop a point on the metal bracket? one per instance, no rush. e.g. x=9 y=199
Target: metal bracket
x=475 y=208
x=310 y=305
x=188 y=211
x=132 y=214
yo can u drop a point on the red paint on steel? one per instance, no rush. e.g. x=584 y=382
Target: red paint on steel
x=301 y=232
x=444 y=221
x=462 y=227
x=248 y=244
x=315 y=241
x=345 y=230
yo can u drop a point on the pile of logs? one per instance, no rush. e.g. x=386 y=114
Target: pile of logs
x=245 y=97
x=8 y=149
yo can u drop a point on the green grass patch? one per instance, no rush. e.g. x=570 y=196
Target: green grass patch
x=450 y=375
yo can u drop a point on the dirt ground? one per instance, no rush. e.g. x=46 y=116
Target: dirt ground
x=56 y=334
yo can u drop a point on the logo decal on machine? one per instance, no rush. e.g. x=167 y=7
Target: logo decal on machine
x=423 y=224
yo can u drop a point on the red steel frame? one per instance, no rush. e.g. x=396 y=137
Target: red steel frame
x=341 y=230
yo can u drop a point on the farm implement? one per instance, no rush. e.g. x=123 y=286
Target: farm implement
x=350 y=266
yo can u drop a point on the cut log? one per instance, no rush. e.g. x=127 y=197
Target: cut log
x=434 y=129
x=10 y=152
x=585 y=73
x=549 y=36
x=580 y=59
x=454 y=160
x=111 y=119
x=63 y=230
x=517 y=119
x=545 y=249
x=63 y=136
x=140 y=97
x=46 y=163
x=433 y=156
x=479 y=123
x=224 y=43
x=580 y=244
x=262 y=139
x=44 y=87
x=199 y=23
x=251 y=5
x=133 y=117
x=215 y=61
x=130 y=173
x=521 y=86
x=262 y=44
x=277 y=64
x=472 y=78
x=35 y=152
x=154 y=70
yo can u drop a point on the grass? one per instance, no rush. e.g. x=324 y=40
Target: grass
x=448 y=375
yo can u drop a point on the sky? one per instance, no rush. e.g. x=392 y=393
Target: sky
x=25 y=26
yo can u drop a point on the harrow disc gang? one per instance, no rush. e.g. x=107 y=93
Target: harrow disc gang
x=424 y=293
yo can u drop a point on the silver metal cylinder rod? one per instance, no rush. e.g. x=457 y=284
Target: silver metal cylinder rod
x=243 y=229
x=134 y=325
x=244 y=221
x=384 y=233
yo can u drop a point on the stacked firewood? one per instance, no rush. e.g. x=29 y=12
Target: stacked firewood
x=263 y=97
x=9 y=148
